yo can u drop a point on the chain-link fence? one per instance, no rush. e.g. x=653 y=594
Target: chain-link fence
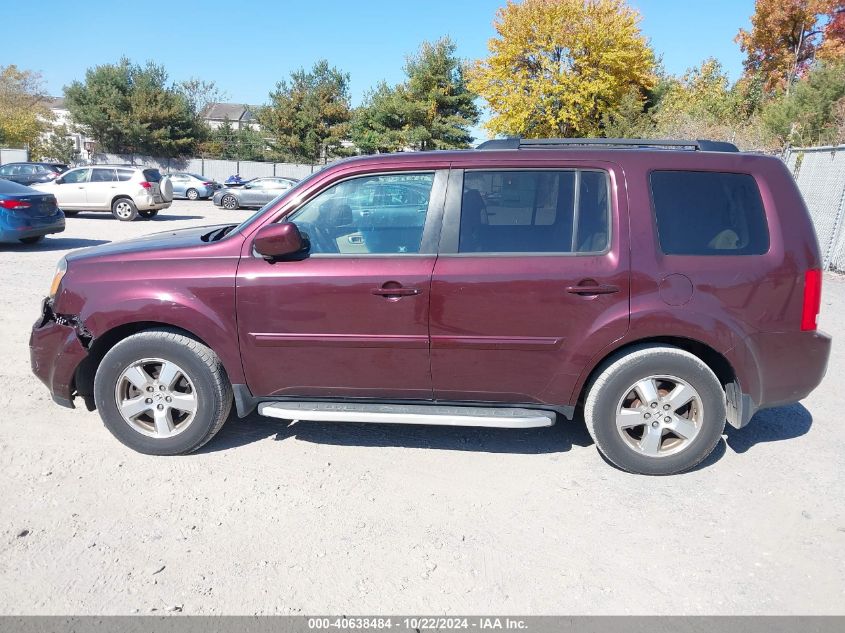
x=820 y=174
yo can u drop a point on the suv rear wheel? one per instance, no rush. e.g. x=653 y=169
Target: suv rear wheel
x=124 y=210
x=160 y=392
x=657 y=410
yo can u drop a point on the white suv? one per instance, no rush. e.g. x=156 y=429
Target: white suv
x=127 y=191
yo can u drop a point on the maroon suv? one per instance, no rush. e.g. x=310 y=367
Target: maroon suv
x=661 y=288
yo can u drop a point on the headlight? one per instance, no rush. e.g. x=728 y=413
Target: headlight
x=61 y=269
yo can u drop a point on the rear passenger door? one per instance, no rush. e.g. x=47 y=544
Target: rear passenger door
x=101 y=188
x=532 y=279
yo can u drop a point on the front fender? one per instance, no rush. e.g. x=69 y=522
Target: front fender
x=196 y=295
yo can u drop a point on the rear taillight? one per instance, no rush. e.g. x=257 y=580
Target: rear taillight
x=14 y=204
x=208 y=184
x=812 y=299
x=146 y=185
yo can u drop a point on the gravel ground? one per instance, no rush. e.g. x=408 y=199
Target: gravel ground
x=353 y=519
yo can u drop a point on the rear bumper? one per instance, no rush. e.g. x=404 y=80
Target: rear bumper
x=55 y=352
x=14 y=227
x=789 y=366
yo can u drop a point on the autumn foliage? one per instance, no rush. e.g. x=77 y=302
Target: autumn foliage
x=557 y=66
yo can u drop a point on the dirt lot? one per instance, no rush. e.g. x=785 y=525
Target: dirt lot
x=352 y=519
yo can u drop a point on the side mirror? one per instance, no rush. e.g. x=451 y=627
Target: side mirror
x=280 y=241
x=59 y=180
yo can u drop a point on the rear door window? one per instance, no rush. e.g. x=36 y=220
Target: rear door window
x=99 y=174
x=709 y=213
x=550 y=211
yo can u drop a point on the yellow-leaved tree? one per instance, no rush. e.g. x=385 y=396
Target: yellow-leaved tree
x=557 y=66
x=24 y=114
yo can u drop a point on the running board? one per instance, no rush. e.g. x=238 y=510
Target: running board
x=506 y=418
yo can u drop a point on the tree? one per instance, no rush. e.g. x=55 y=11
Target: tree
x=24 y=114
x=229 y=143
x=126 y=107
x=432 y=109
x=308 y=117
x=809 y=114
x=558 y=66
x=786 y=36
x=57 y=145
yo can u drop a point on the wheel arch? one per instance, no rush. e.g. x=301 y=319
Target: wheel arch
x=83 y=381
x=716 y=361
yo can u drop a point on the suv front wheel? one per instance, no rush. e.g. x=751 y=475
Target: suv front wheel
x=162 y=393
x=656 y=410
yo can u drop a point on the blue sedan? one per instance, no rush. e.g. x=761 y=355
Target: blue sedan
x=191 y=186
x=27 y=215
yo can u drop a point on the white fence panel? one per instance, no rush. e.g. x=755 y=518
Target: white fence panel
x=13 y=155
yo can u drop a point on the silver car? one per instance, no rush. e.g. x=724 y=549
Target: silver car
x=191 y=186
x=255 y=193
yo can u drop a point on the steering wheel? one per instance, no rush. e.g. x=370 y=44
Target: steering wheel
x=321 y=241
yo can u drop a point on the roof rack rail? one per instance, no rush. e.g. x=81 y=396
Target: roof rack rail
x=702 y=145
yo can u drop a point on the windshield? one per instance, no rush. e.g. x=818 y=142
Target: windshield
x=288 y=192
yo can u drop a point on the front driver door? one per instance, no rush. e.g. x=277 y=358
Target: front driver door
x=70 y=188
x=350 y=320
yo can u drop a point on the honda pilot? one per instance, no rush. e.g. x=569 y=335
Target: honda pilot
x=655 y=289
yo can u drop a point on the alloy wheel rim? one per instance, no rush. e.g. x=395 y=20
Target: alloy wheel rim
x=229 y=202
x=659 y=416
x=193 y=195
x=156 y=397
x=123 y=209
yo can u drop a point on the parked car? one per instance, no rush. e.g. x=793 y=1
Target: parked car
x=127 y=191
x=657 y=290
x=253 y=193
x=32 y=173
x=27 y=215
x=192 y=186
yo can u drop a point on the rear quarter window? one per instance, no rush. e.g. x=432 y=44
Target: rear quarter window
x=709 y=213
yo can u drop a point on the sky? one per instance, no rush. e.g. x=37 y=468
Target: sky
x=248 y=45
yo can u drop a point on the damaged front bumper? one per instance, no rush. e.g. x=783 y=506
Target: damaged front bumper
x=57 y=346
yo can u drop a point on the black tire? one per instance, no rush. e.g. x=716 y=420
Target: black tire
x=71 y=214
x=213 y=391
x=32 y=240
x=124 y=210
x=192 y=194
x=229 y=202
x=613 y=382
x=150 y=213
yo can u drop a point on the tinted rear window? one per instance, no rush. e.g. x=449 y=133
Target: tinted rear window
x=152 y=175
x=546 y=211
x=709 y=213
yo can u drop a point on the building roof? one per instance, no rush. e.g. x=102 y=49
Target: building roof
x=231 y=111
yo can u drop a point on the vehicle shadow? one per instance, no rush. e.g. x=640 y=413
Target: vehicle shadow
x=770 y=425
x=555 y=439
x=54 y=244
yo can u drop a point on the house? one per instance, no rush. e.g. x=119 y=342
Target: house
x=239 y=116
x=61 y=116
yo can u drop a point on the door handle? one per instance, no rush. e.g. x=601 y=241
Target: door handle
x=588 y=290
x=396 y=292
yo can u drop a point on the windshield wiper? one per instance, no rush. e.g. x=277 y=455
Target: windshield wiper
x=217 y=234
